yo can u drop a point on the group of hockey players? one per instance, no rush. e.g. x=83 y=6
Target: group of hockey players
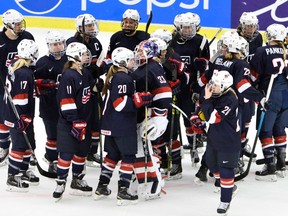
x=134 y=96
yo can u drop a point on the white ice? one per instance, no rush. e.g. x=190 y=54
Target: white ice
x=183 y=196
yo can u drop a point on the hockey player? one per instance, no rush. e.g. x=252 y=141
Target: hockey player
x=249 y=29
x=129 y=36
x=220 y=108
x=13 y=32
x=87 y=34
x=120 y=105
x=267 y=61
x=73 y=129
x=20 y=84
x=188 y=47
x=240 y=71
x=152 y=122
x=47 y=73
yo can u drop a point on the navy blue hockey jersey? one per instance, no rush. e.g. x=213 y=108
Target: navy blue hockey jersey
x=20 y=83
x=157 y=85
x=119 y=39
x=119 y=116
x=49 y=68
x=73 y=95
x=8 y=51
x=222 y=115
x=240 y=71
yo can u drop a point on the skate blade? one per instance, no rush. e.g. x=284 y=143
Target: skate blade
x=76 y=192
x=152 y=196
x=268 y=178
x=16 y=189
x=56 y=200
x=281 y=174
x=31 y=183
x=198 y=182
x=121 y=202
x=100 y=197
x=175 y=177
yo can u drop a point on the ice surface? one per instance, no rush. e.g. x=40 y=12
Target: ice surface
x=183 y=196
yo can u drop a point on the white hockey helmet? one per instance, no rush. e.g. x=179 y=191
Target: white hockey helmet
x=224 y=39
x=163 y=34
x=244 y=47
x=223 y=79
x=12 y=17
x=131 y=14
x=121 y=57
x=162 y=45
x=55 y=37
x=145 y=50
x=276 y=32
x=28 y=49
x=249 y=25
x=88 y=20
x=233 y=45
x=195 y=19
x=187 y=27
x=78 y=53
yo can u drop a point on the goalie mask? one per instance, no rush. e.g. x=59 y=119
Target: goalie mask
x=130 y=21
x=162 y=46
x=28 y=49
x=78 y=53
x=144 y=51
x=123 y=57
x=276 y=32
x=56 y=43
x=90 y=27
x=14 y=21
x=249 y=26
x=220 y=82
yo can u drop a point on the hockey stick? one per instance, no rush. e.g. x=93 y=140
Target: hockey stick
x=41 y=171
x=214 y=37
x=246 y=172
x=193 y=158
x=145 y=146
x=169 y=159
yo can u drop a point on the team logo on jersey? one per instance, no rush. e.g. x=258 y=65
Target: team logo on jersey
x=186 y=59
x=86 y=95
x=35 y=7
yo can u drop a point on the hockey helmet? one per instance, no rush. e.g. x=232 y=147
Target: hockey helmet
x=223 y=79
x=28 y=49
x=78 y=53
x=144 y=51
x=163 y=34
x=56 y=43
x=276 y=32
x=90 y=28
x=122 y=57
x=12 y=18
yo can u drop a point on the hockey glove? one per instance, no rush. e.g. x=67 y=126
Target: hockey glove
x=200 y=64
x=142 y=99
x=265 y=105
x=23 y=123
x=175 y=86
x=180 y=66
x=45 y=86
x=197 y=125
x=79 y=129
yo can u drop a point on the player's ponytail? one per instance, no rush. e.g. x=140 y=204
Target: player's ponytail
x=112 y=70
x=19 y=64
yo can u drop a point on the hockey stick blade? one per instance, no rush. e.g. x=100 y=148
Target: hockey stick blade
x=101 y=58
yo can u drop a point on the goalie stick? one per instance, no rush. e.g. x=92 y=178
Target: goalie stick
x=246 y=172
x=41 y=171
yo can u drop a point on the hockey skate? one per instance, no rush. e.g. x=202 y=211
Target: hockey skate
x=223 y=208
x=60 y=188
x=29 y=177
x=79 y=187
x=3 y=156
x=176 y=172
x=201 y=176
x=15 y=184
x=93 y=160
x=102 y=191
x=125 y=198
x=52 y=167
x=281 y=164
x=268 y=173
